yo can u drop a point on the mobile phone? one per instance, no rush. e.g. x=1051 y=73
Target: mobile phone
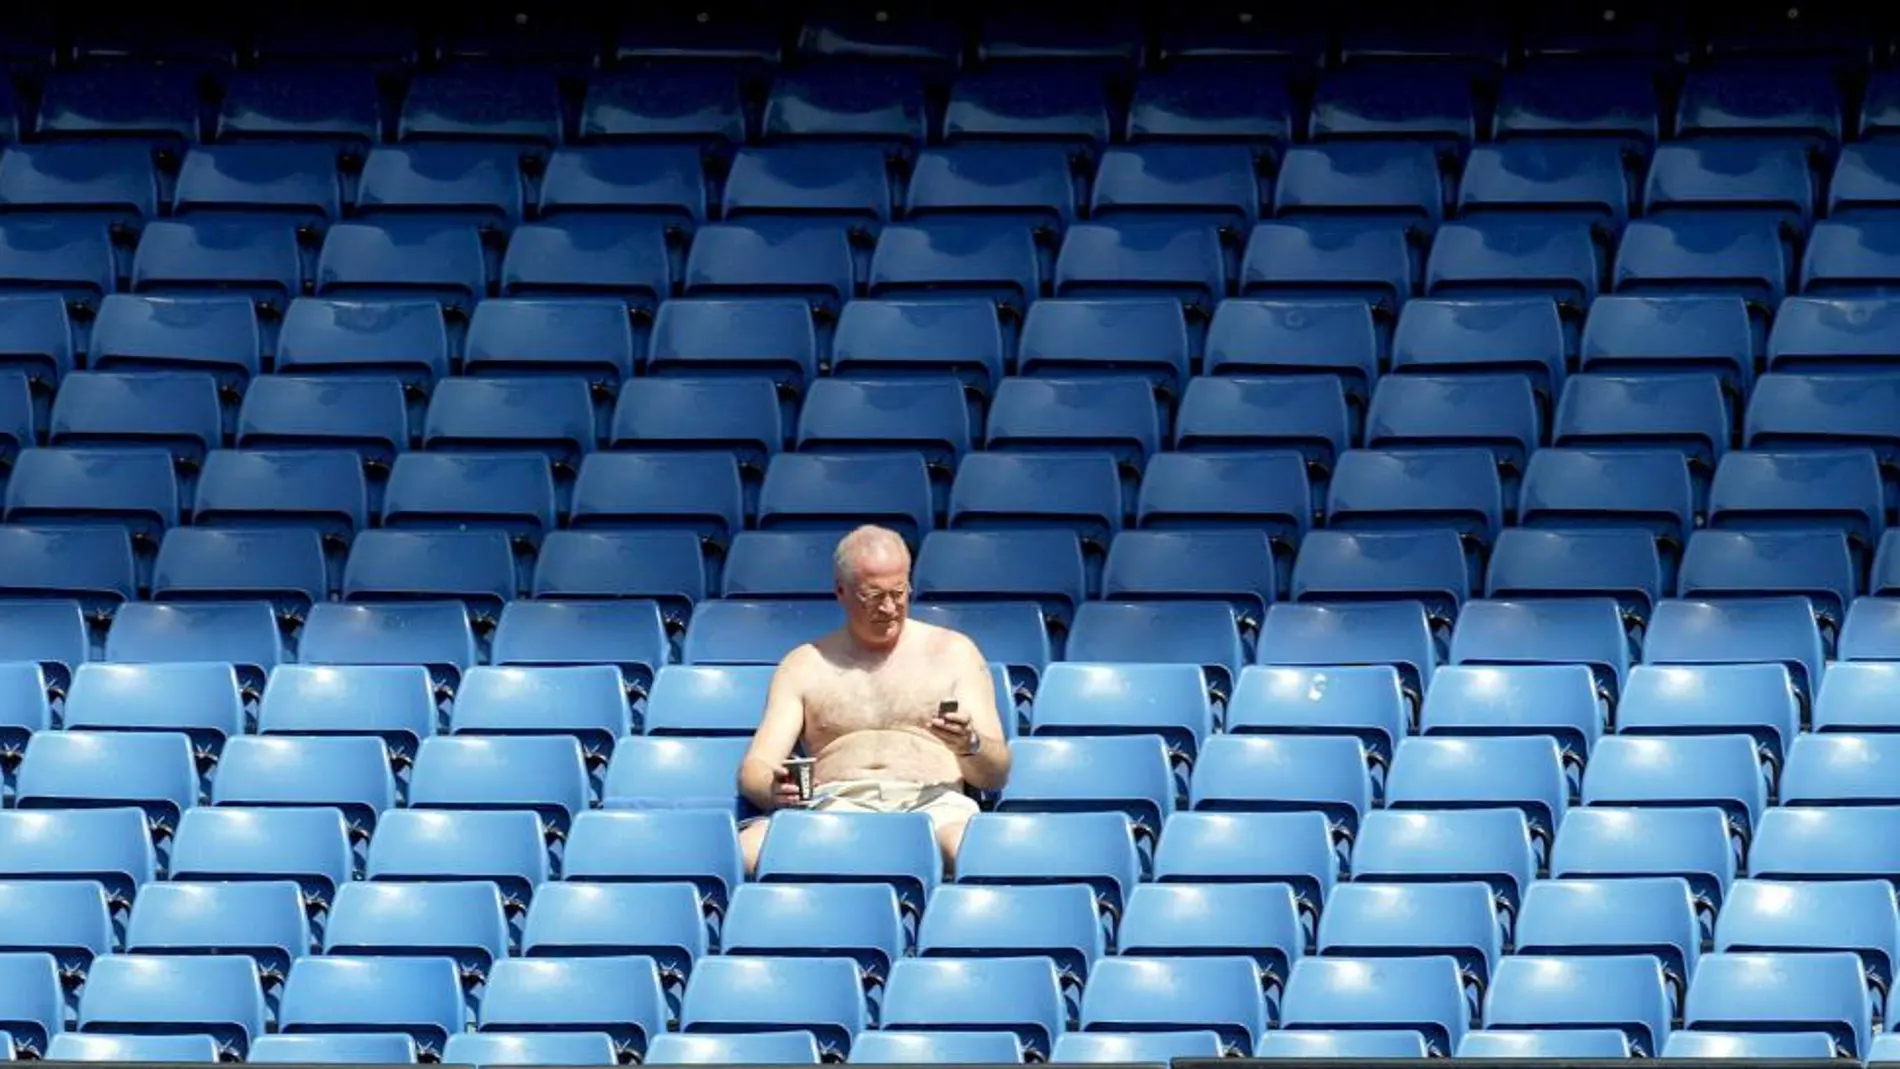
x=948 y=705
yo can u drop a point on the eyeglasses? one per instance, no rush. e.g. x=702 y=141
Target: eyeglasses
x=868 y=598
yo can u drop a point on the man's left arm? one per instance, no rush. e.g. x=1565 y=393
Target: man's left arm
x=985 y=763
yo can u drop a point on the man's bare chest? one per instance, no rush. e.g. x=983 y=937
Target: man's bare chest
x=892 y=696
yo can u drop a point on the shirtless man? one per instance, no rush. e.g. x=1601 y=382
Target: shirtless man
x=864 y=701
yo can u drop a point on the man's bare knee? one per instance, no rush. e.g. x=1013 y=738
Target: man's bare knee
x=949 y=838
x=751 y=841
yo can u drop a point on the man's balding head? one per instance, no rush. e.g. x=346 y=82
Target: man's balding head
x=869 y=548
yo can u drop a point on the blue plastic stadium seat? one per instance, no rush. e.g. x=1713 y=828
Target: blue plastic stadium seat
x=328 y=105
x=858 y=921
x=758 y=1048
x=1458 y=920
x=707 y=699
x=1498 y=413
x=1290 y=336
x=1438 y=846
x=384 y=1047
x=406 y=340
x=201 y=700
x=588 y=702
x=151 y=770
x=1822 y=992
x=1387 y=489
x=1169 y=700
x=763 y=335
x=1684 y=1043
x=299 y=183
x=1662 y=334
x=1396 y=100
x=697 y=846
x=895 y=849
x=772 y=258
x=1567 y=488
x=845 y=416
x=1306 y=413
x=474 y=566
x=1693 y=770
x=1076 y=415
x=1764 y=629
x=1732 y=179
x=214 y=995
x=102 y=410
x=476 y=184
x=132 y=488
x=1816 y=565
x=664 y=566
x=545 y=773
x=822 y=996
x=1082 y=492
x=1057 y=921
x=1703 y=257
x=1196 y=103
x=350 y=773
x=307 y=844
x=1493 y=257
x=1112 y=1047
x=1426 y=566
x=930 y=1048
x=1554 y=700
x=33 y=1011
x=620 y=996
x=1569 y=95
x=1235 y=566
x=946 y=258
x=1349 y=1043
x=1197 y=632
x=1693 y=844
x=521 y=336
x=1454 y=337
x=1796 y=916
x=585 y=258
x=811 y=490
x=837 y=183
x=1788 y=98
x=1094 y=848
x=1849 y=697
x=263 y=920
x=1264 y=773
x=1396 y=634
x=1421 y=994
x=116 y=182
x=543 y=1048
x=1007 y=104
x=1625 y=992
x=490 y=106
x=69 y=919
x=72 y=258
x=418 y=996
x=403 y=260
x=1557 y=182
x=1632 y=915
x=1366 y=701
x=920 y=338
x=199 y=257
x=1329 y=260
x=155 y=103
x=214 y=334
x=1191 y=492
x=726 y=413
x=1137 y=336
x=698 y=491
x=1610 y=562
x=1686 y=412
x=476 y=415
x=1868 y=633
x=510 y=491
x=39 y=340
x=1007 y=183
x=1009 y=994
x=1522 y=772
x=1041 y=566
x=700 y=103
x=878 y=105
x=674 y=773
x=1361 y=179
x=394 y=702
x=628 y=634
x=284 y=412
x=91 y=565
x=78 y=1047
x=754 y=632
x=1754 y=699
x=1816 y=334
x=503 y=846
x=1806 y=843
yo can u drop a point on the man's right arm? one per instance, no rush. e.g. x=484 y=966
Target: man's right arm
x=780 y=728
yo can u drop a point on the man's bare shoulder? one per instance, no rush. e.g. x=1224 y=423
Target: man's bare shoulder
x=937 y=639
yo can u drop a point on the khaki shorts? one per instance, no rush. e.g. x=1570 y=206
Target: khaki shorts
x=939 y=801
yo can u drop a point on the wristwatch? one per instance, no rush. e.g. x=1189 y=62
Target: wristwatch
x=976 y=745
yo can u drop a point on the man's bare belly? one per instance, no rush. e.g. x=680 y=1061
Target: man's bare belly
x=885 y=754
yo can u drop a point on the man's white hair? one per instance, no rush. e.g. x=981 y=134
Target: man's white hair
x=866 y=543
